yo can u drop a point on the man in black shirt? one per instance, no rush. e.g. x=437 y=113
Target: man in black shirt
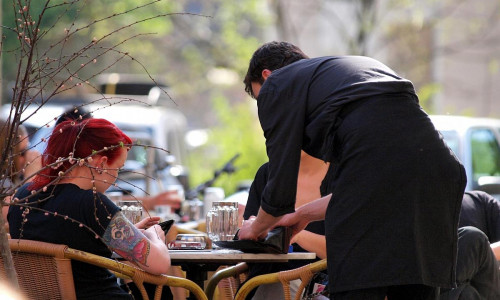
x=481 y=210
x=393 y=190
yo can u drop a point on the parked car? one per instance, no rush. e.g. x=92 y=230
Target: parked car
x=147 y=170
x=476 y=143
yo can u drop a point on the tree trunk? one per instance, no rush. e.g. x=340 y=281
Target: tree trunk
x=7 y=255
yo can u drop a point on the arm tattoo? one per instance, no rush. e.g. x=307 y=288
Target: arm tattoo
x=126 y=240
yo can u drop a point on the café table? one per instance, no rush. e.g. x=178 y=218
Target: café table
x=197 y=263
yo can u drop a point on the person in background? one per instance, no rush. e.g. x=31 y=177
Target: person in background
x=477 y=272
x=481 y=210
x=25 y=162
x=393 y=188
x=311 y=239
x=65 y=204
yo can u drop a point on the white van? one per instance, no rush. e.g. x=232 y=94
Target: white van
x=159 y=126
x=476 y=143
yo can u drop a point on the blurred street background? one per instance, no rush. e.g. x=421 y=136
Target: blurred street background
x=449 y=49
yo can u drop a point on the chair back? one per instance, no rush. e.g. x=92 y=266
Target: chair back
x=42 y=270
x=138 y=276
x=304 y=273
x=228 y=280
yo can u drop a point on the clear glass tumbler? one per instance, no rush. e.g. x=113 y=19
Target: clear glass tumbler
x=222 y=220
x=212 y=222
x=131 y=209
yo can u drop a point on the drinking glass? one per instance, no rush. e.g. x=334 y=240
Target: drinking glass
x=222 y=220
x=131 y=209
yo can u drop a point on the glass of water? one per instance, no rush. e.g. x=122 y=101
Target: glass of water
x=222 y=220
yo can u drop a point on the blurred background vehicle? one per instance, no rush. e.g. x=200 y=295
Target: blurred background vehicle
x=148 y=170
x=476 y=143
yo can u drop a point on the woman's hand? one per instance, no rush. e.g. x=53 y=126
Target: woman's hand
x=147 y=222
x=155 y=233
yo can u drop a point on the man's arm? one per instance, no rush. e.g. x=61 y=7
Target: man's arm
x=312 y=211
x=257 y=227
x=311 y=242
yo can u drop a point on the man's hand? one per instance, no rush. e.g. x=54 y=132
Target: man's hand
x=170 y=197
x=247 y=232
x=295 y=222
x=256 y=228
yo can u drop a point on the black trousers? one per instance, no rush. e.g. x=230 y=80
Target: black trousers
x=478 y=274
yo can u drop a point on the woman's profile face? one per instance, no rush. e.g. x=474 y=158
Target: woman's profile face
x=108 y=177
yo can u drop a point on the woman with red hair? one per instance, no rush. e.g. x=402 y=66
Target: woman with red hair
x=65 y=204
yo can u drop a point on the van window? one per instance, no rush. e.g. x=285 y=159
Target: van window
x=452 y=140
x=485 y=152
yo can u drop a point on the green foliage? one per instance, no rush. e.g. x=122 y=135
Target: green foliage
x=239 y=131
x=145 y=21
x=425 y=94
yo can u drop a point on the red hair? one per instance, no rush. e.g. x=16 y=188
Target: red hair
x=82 y=139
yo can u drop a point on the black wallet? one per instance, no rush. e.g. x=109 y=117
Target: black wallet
x=277 y=242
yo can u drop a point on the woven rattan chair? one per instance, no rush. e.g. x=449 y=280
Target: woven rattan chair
x=303 y=273
x=227 y=280
x=44 y=271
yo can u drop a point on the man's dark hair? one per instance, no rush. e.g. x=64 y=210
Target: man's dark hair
x=271 y=56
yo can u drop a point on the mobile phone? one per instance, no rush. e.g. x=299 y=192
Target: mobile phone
x=166 y=225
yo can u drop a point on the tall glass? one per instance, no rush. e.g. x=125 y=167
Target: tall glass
x=222 y=220
x=131 y=209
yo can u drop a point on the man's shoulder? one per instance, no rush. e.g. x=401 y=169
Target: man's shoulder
x=478 y=197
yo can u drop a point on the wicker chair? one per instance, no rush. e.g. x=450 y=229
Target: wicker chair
x=44 y=271
x=304 y=273
x=227 y=280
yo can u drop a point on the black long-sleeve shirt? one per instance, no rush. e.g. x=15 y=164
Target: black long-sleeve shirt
x=298 y=106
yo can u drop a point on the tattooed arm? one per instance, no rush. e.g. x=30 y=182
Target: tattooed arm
x=146 y=249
